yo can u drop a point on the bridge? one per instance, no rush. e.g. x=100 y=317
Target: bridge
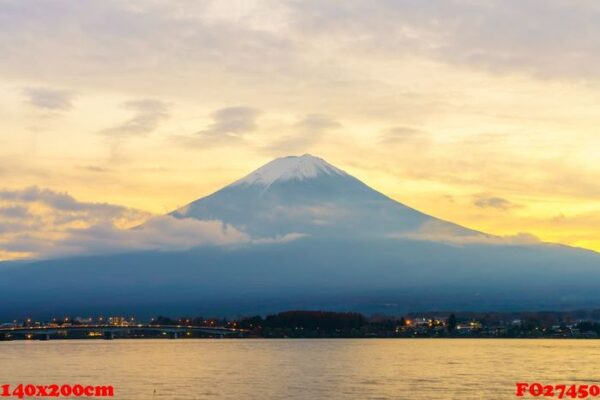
x=111 y=331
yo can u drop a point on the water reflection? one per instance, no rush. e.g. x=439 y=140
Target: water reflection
x=302 y=369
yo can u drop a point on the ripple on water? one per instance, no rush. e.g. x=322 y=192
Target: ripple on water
x=302 y=369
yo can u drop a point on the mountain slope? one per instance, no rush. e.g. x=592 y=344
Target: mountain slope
x=307 y=195
x=385 y=276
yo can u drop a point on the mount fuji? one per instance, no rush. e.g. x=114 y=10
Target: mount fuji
x=318 y=238
x=308 y=196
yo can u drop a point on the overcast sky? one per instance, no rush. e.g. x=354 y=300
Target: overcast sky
x=486 y=113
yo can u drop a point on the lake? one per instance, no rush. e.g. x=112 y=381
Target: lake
x=302 y=369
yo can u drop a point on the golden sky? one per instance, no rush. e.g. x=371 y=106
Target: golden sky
x=485 y=113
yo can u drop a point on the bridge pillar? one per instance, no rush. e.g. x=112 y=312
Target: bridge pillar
x=109 y=335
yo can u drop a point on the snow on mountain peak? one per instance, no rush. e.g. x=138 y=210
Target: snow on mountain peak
x=290 y=168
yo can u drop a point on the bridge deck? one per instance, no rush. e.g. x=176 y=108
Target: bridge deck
x=51 y=329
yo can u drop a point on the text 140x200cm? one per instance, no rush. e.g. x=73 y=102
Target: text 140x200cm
x=65 y=390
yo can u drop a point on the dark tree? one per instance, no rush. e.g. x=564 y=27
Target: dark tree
x=251 y=322
x=161 y=320
x=451 y=323
x=312 y=320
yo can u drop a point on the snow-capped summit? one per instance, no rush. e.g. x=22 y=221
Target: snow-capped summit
x=307 y=195
x=290 y=168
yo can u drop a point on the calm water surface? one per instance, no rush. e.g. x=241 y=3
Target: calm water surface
x=302 y=369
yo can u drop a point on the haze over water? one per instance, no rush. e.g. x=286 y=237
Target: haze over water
x=302 y=369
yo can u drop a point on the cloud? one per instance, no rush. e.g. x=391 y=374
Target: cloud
x=232 y=122
x=317 y=123
x=43 y=216
x=434 y=231
x=496 y=35
x=310 y=52
x=49 y=99
x=14 y=212
x=403 y=135
x=42 y=223
x=125 y=45
x=163 y=233
x=147 y=114
x=229 y=125
x=158 y=233
x=495 y=162
x=94 y=168
x=288 y=237
x=61 y=201
x=305 y=133
x=499 y=203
